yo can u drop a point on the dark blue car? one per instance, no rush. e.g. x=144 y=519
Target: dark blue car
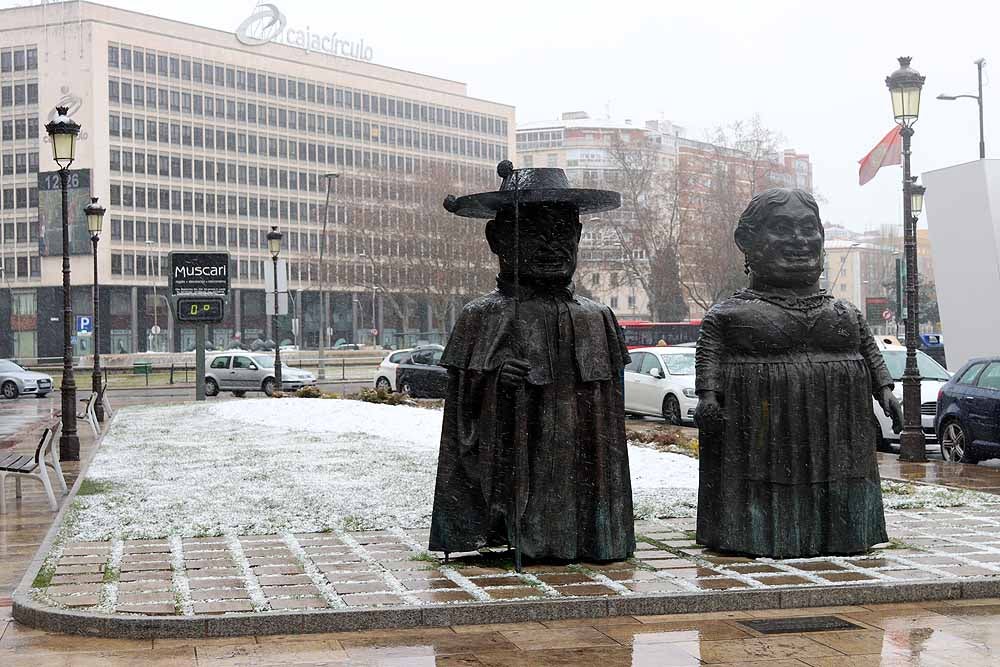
x=968 y=413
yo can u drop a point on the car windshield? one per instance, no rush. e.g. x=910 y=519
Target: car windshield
x=9 y=367
x=678 y=364
x=265 y=362
x=929 y=369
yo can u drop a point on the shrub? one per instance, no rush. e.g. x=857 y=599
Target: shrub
x=668 y=439
x=383 y=397
x=309 y=392
x=278 y=394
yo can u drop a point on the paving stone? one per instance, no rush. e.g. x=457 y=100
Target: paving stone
x=719 y=584
x=210 y=564
x=220 y=594
x=428 y=584
x=783 y=580
x=222 y=607
x=145 y=566
x=145 y=575
x=969 y=571
x=145 y=598
x=565 y=578
x=149 y=609
x=298 y=603
x=273 y=560
x=144 y=586
x=361 y=587
x=372 y=600
x=71 y=589
x=283 y=579
x=79 y=600
x=585 y=589
x=146 y=548
x=277 y=569
x=816 y=566
x=845 y=576
x=78 y=549
x=89 y=568
x=216 y=582
x=514 y=592
x=279 y=591
x=653 y=586
x=507 y=580
x=753 y=568
x=440 y=597
x=82 y=560
x=60 y=579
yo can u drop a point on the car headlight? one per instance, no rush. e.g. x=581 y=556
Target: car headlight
x=690 y=392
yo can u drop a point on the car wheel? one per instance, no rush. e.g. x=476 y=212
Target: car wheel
x=239 y=394
x=269 y=386
x=9 y=390
x=954 y=443
x=383 y=384
x=881 y=444
x=672 y=410
x=211 y=387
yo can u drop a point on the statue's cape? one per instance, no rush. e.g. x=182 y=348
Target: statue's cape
x=485 y=337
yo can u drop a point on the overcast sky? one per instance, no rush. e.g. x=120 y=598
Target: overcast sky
x=814 y=71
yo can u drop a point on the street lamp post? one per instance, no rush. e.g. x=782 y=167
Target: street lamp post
x=274 y=246
x=321 y=372
x=979 y=100
x=63 y=131
x=95 y=217
x=905 y=85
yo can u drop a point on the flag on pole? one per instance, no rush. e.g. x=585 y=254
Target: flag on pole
x=888 y=151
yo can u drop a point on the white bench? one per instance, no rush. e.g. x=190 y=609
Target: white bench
x=19 y=466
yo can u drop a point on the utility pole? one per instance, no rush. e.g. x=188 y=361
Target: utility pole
x=321 y=371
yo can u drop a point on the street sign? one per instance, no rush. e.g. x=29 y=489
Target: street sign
x=84 y=324
x=200 y=308
x=887 y=315
x=874 y=307
x=374 y=332
x=199 y=273
x=50 y=212
x=155 y=330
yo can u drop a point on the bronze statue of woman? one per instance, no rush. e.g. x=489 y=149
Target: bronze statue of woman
x=785 y=378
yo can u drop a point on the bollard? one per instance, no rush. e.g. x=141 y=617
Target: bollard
x=185 y=372
x=171 y=373
x=343 y=369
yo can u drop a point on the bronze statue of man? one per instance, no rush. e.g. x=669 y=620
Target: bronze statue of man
x=533 y=451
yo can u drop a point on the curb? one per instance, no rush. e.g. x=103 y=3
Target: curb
x=123 y=626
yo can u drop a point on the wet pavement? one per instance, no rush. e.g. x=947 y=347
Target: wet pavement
x=985 y=478
x=956 y=634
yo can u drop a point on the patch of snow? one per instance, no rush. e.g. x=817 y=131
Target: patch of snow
x=266 y=466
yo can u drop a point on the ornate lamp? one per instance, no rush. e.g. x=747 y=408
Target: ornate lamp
x=905 y=85
x=63 y=131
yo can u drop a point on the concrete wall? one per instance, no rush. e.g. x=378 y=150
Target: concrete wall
x=963 y=216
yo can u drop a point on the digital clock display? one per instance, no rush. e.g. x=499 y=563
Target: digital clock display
x=201 y=309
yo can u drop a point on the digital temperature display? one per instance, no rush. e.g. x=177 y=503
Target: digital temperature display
x=200 y=309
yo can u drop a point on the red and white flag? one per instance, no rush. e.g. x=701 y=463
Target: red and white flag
x=888 y=151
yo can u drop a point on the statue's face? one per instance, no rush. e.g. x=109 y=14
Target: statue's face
x=550 y=240
x=788 y=250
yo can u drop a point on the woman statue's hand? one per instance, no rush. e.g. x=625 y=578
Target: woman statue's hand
x=891 y=408
x=708 y=415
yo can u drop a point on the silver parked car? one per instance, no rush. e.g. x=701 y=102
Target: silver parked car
x=239 y=372
x=15 y=381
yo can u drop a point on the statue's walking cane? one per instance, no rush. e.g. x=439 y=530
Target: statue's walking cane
x=520 y=494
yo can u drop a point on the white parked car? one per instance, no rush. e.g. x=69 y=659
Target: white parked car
x=385 y=373
x=659 y=381
x=16 y=381
x=932 y=376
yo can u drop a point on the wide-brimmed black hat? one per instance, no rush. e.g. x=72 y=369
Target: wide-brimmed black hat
x=534 y=186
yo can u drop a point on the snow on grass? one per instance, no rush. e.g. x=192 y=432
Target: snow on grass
x=270 y=466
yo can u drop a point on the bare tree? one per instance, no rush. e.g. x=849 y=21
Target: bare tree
x=645 y=229
x=721 y=175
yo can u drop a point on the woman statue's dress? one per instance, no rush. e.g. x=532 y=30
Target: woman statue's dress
x=793 y=470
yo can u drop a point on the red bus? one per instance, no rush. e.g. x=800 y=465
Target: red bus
x=639 y=333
